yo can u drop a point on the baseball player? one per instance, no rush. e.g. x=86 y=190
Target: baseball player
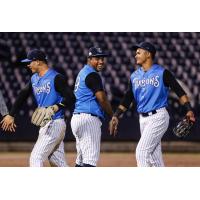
x=3 y=107
x=149 y=86
x=52 y=96
x=91 y=103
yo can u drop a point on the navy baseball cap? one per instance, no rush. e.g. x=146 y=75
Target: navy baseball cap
x=146 y=46
x=96 y=52
x=35 y=55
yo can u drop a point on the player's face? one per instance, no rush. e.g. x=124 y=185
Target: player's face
x=33 y=66
x=141 y=56
x=97 y=63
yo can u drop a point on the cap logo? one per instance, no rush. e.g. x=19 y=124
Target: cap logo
x=90 y=53
x=99 y=50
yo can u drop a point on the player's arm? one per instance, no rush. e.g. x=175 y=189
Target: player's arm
x=123 y=107
x=171 y=82
x=8 y=121
x=103 y=101
x=3 y=107
x=94 y=82
x=126 y=102
x=66 y=93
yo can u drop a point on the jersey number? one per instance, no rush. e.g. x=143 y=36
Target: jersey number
x=77 y=84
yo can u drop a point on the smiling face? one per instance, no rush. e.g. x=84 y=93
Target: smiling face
x=96 y=62
x=34 y=66
x=142 y=56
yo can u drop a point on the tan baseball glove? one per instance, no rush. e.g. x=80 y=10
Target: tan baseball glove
x=43 y=115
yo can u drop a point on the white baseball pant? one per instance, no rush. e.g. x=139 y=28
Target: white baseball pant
x=87 y=131
x=49 y=145
x=152 y=128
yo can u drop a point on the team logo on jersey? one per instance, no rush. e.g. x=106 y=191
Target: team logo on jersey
x=149 y=81
x=46 y=88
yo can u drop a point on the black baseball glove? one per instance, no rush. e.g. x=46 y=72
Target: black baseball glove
x=183 y=128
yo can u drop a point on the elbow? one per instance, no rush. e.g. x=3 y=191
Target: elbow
x=102 y=100
x=73 y=99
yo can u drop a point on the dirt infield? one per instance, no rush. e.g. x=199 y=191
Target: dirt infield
x=20 y=159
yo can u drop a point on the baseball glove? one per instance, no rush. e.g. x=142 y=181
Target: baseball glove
x=42 y=116
x=183 y=128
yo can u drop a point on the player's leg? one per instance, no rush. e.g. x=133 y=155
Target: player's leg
x=57 y=158
x=157 y=158
x=75 y=125
x=148 y=151
x=79 y=158
x=50 y=136
x=90 y=142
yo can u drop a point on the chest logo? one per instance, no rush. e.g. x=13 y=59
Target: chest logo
x=46 y=88
x=154 y=81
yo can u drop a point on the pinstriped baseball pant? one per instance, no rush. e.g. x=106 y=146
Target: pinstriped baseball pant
x=49 y=145
x=87 y=131
x=152 y=128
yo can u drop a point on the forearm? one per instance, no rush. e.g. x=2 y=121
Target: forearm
x=120 y=110
x=16 y=106
x=184 y=100
x=106 y=107
x=125 y=103
x=127 y=99
x=104 y=103
x=23 y=95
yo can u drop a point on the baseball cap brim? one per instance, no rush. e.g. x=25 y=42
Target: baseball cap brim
x=99 y=55
x=146 y=46
x=26 y=60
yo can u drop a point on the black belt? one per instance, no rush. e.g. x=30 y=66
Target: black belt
x=89 y=114
x=149 y=113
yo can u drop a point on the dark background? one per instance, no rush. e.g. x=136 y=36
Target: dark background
x=177 y=51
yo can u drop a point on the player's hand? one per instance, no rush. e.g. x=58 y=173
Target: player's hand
x=8 y=124
x=190 y=116
x=113 y=125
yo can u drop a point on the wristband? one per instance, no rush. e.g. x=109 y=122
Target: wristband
x=187 y=106
x=60 y=105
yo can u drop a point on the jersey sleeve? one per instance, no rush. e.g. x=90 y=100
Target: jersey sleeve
x=23 y=95
x=94 y=82
x=171 y=82
x=3 y=107
x=62 y=87
x=128 y=97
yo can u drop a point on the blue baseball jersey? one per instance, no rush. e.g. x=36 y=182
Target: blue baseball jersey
x=44 y=91
x=148 y=89
x=86 y=101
